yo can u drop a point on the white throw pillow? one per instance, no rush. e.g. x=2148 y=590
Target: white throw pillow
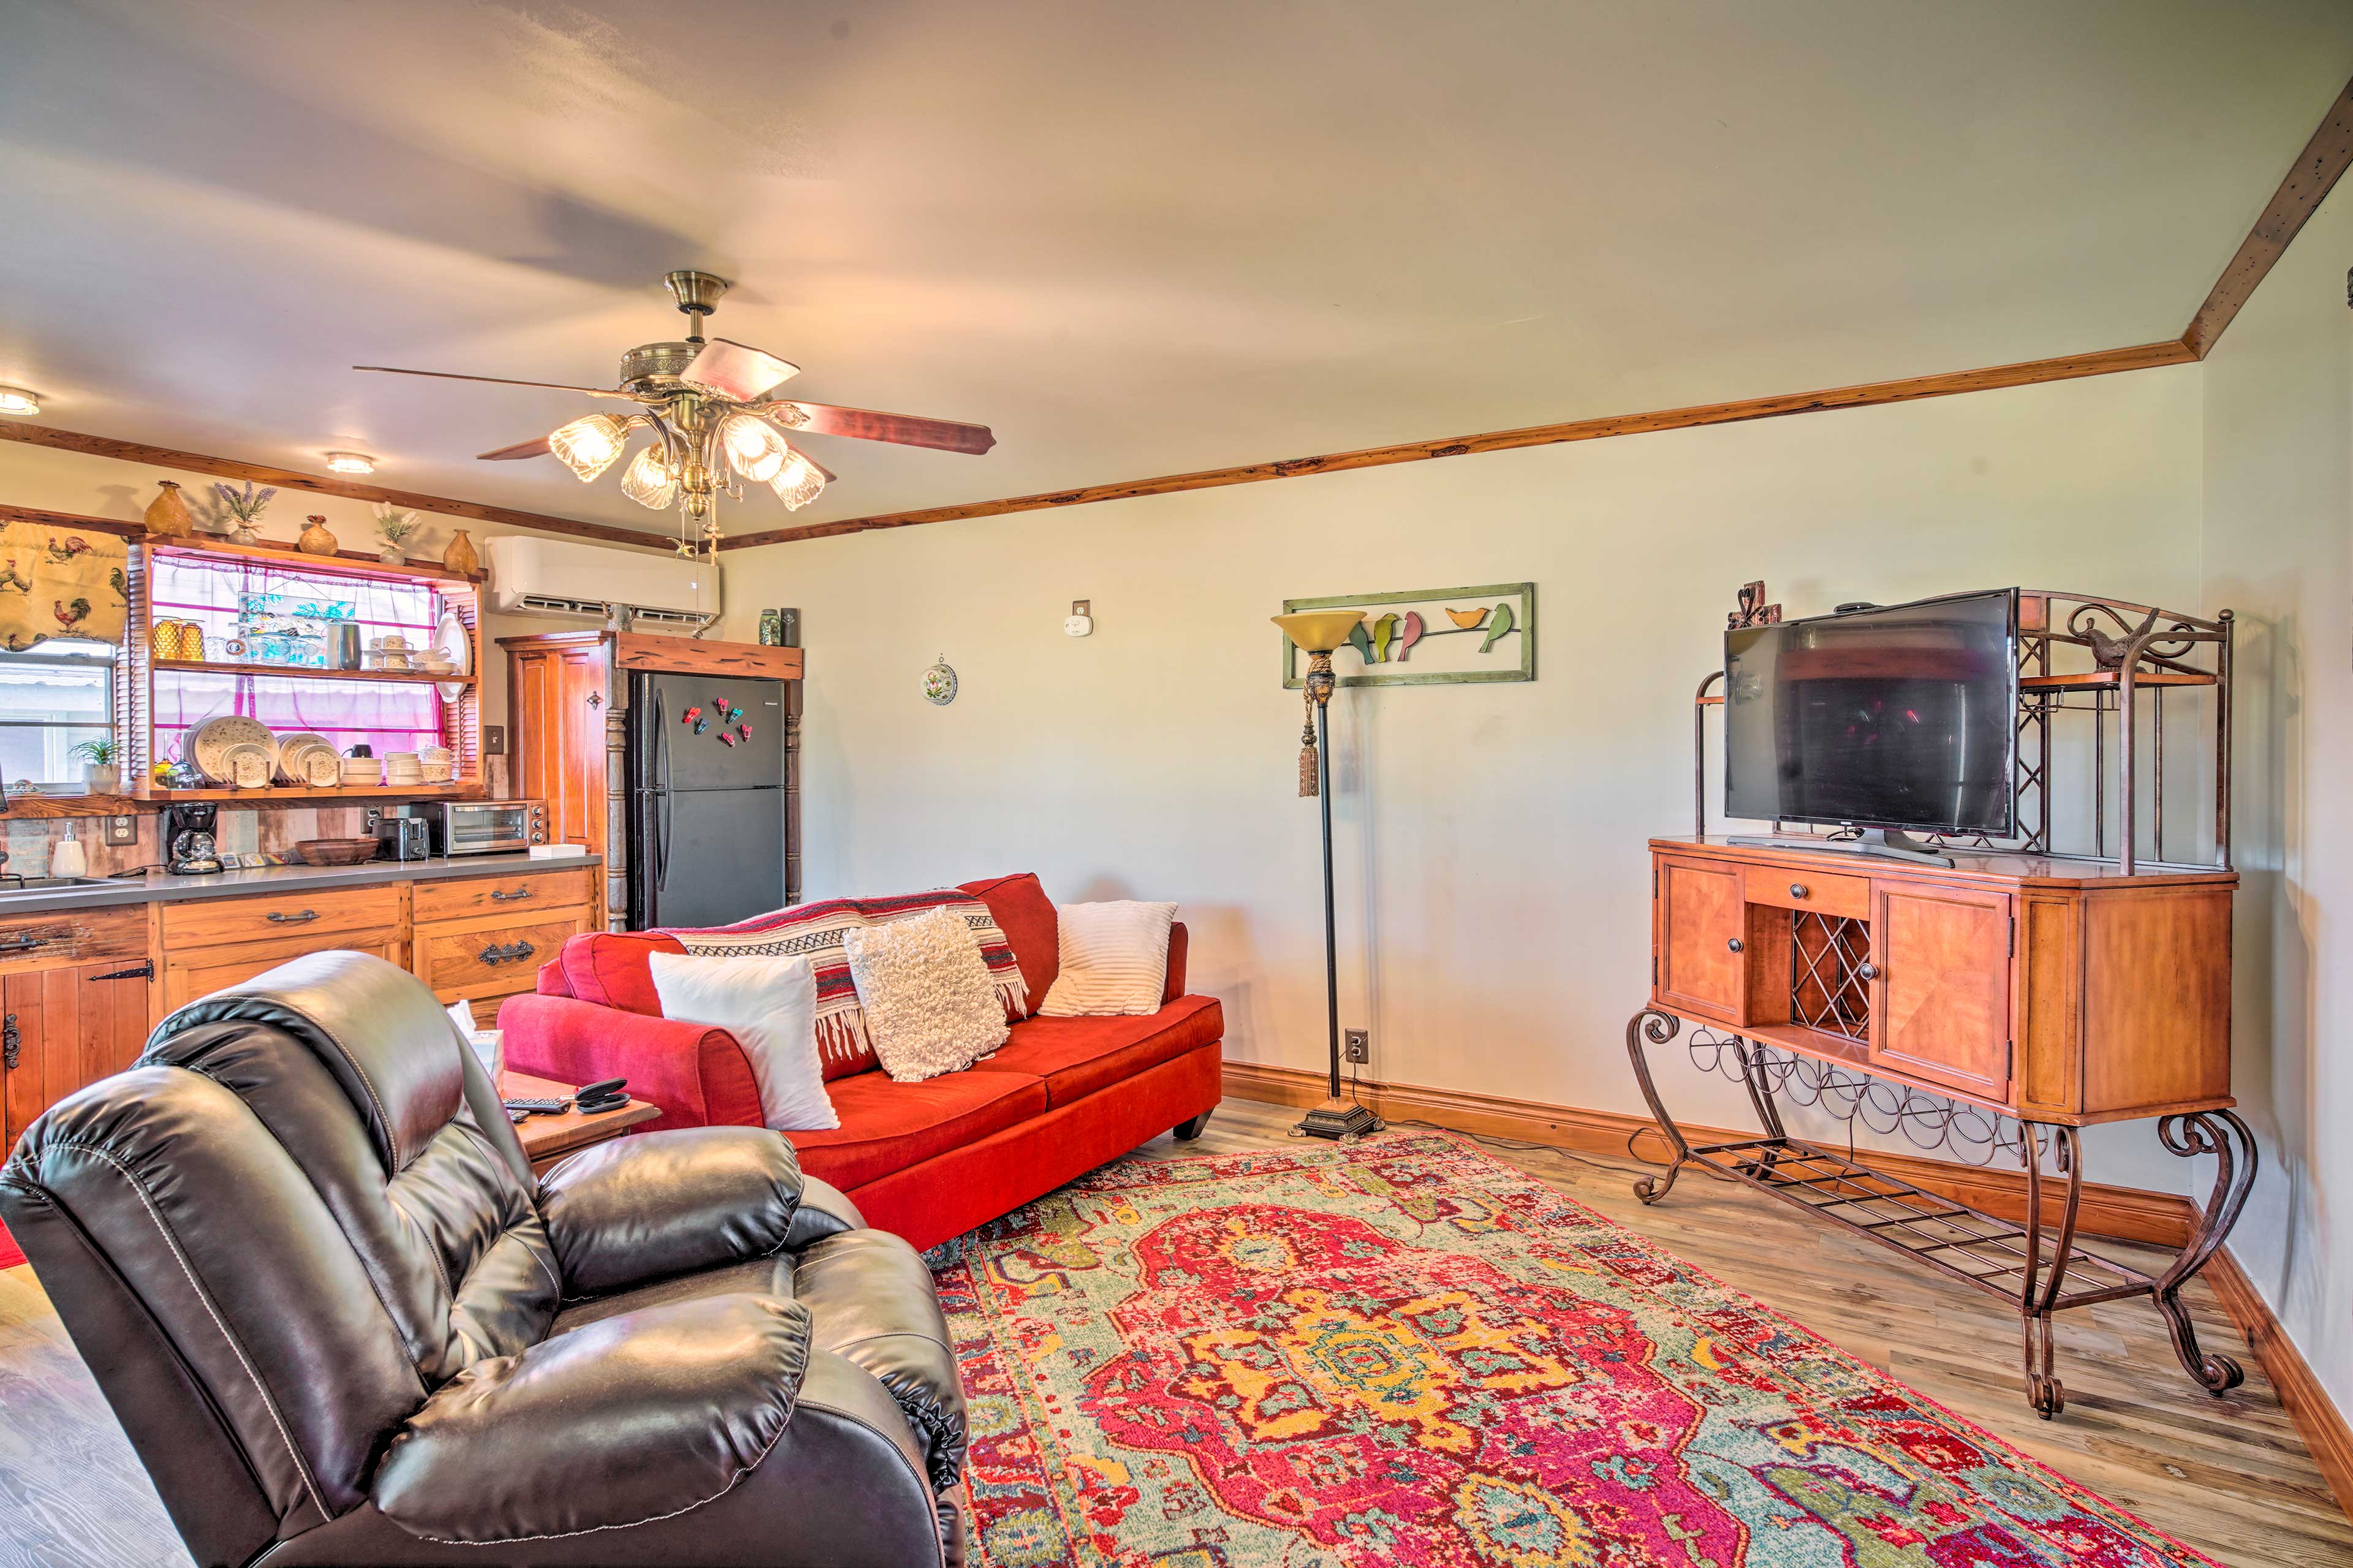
x=769 y=1005
x=1114 y=958
x=930 y=1005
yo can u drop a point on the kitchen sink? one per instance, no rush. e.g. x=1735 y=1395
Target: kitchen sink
x=9 y=885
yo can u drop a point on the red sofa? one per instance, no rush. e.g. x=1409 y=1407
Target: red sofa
x=927 y=1160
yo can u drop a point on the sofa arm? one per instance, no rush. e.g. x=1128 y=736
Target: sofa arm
x=634 y=1418
x=695 y=1073
x=631 y=1210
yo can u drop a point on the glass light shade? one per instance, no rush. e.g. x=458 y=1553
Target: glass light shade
x=1319 y=631
x=350 y=463
x=589 y=445
x=17 y=400
x=798 y=482
x=649 y=481
x=755 y=446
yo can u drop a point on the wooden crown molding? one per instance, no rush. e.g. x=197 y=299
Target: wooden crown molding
x=2309 y=180
x=317 y=484
x=2070 y=367
x=2314 y=174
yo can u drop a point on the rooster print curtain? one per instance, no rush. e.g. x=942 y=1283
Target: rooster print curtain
x=55 y=583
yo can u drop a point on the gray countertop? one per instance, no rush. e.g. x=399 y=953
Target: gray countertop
x=159 y=886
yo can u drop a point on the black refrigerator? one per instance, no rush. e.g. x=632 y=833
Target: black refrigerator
x=706 y=832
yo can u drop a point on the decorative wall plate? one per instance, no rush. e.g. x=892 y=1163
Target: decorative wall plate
x=209 y=743
x=940 y=683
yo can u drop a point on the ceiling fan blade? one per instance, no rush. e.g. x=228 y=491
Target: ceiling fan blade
x=738 y=370
x=502 y=381
x=906 y=430
x=538 y=448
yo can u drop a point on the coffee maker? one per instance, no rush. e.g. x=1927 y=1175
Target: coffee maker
x=192 y=850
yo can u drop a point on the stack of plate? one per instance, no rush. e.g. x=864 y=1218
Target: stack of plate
x=210 y=744
x=362 y=773
x=401 y=770
x=294 y=752
x=437 y=764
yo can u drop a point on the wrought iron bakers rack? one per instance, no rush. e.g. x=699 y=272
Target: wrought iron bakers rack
x=2078 y=655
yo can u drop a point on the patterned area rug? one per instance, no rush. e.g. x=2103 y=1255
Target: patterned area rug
x=1406 y=1353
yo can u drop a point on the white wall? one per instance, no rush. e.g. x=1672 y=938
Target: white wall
x=2279 y=550
x=1492 y=873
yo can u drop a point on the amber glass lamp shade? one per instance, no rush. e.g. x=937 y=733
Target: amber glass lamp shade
x=1319 y=631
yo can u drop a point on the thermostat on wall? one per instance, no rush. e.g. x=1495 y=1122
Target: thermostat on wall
x=1079 y=623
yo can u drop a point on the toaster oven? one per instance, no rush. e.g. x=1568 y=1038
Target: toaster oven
x=484 y=826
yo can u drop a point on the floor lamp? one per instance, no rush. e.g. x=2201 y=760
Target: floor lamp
x=1317 y=633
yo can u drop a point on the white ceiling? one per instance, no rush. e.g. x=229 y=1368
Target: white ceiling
x=1133 y=237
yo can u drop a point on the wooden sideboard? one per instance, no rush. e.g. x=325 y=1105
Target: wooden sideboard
x=80 y=989
x=2058 y=991
x=2053 y=991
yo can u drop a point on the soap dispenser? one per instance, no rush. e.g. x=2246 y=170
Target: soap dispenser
x=66 y=858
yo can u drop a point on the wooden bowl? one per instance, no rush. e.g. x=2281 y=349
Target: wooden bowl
x=336 y=851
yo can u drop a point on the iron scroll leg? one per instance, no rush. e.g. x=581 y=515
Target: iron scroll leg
x=1660 y=1027
x=2039 y=1291
x=2221 y=1134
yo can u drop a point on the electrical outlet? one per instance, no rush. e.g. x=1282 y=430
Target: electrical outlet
x=1356 y=1046
x=121 y=830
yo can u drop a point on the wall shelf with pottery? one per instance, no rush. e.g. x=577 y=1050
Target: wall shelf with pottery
x=1440 y=637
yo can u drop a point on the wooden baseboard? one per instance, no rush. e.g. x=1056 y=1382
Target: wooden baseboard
x=2326 y=1432
x=2127 y=1213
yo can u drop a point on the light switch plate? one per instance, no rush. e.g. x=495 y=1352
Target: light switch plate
x=494 y=739
x=1080 y=620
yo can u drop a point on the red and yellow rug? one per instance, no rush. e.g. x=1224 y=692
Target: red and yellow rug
x=1405 y=1353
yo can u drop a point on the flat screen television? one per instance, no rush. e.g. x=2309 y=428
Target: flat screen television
x=1903 y=716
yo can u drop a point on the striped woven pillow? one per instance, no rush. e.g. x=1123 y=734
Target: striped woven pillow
x=816 y=931
x=1114 y=958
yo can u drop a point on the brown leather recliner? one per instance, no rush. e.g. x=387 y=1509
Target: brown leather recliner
x=300 y=1248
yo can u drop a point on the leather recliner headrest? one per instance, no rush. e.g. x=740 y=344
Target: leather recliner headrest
x=376 y=1027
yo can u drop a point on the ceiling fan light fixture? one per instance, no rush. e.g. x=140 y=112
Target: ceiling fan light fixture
x=798 y=482
x=649 y=481
x=18 y=400
x=754 y=446
x=589 y=445
x=350 y=463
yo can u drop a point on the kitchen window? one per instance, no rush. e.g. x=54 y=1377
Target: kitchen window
x=53 y=698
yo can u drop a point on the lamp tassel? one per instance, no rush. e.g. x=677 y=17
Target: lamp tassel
x=1307 y=770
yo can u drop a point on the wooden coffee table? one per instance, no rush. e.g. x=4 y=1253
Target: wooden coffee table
x=547 y=1139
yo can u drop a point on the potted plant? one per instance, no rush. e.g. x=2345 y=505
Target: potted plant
x=394 y=527
x=101 y=764
x=244 y=506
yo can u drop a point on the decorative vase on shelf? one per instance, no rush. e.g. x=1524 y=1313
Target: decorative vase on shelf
x=168 y=513
x=245 y=533
x=316 y=539
x=392 y=555
x=461 y=555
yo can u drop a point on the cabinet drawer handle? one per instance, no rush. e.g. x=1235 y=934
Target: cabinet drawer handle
x=280 y=918
x=512 y=952
x=1866 y=970
x=500 y=895
x=1734 y=944
x=1797 y=890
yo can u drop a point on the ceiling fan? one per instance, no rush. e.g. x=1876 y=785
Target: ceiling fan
x=715 y=422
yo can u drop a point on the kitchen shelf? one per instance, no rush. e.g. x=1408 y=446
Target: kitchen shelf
x=463 y=789
x=344 y=563
x=306 y=672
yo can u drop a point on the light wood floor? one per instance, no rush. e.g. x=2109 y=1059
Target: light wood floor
x=2229 y=1476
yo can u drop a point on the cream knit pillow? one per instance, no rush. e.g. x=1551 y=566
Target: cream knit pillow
x=930 y=1005
x=1114 y=958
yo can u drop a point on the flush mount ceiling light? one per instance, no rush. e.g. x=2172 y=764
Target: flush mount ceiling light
x=716 y=426
x=350 y=463
x=17 y=400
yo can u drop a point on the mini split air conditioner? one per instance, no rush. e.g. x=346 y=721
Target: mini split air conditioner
x=532 y=576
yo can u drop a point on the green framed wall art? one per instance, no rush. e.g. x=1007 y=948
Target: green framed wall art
x=1440 y=637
